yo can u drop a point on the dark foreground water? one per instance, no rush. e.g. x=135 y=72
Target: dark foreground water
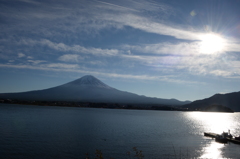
x=61 y=132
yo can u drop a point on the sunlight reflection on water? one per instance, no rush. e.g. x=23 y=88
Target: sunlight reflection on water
x=216 y=123
x=213 y=150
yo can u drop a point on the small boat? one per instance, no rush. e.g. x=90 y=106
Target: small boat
x=224 y=137
x=221 y=139
x=209 y=134
x=227 y=134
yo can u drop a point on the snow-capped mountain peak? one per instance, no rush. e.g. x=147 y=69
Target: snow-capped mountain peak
x=89 y=80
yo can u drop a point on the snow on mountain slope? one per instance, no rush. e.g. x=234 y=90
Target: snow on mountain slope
x=88 y=80
x=88 y=89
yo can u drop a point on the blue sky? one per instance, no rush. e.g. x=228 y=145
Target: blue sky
x=184 y=49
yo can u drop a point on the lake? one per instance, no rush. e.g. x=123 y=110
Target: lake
x=70 y=132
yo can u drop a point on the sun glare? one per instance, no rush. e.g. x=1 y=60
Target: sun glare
x=213 y=150
x=211 y=43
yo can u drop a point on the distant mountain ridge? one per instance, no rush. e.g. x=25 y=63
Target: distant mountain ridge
x=88 y=89
x=230 y=100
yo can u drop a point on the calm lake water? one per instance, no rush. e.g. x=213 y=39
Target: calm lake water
x=62 y=132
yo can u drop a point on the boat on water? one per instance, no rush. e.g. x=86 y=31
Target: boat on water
x=221 y=139
x=224 y=137
x=209 y=134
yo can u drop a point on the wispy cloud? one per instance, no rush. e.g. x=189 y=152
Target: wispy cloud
x=181 y=48
x=58 y=67
x=71 y=48
x=70 y=58
x=30 y=1
x=35 y=62
x=233 y=46
x=20 y=55
x=170 y=57
x=150 y=26
x=59 y=26
x=103 y=15
x=221 y=73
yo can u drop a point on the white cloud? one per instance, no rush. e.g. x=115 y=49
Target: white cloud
x=147 y=25
x=146 y=16
x=106 y=15
x=30 y=1
x=233 y=46
x=60 y=66
x=171 y=56
x=76 y=58
x=29 y=57
x=75 y=68
x=99 y=63
x=185 y=57
x=73 y=48
x=35 y=62
x=181 y=48
x=235 y=64
x=20 y=55
x=221 y=73
x=69 y=58
x=168 y=56
x=195 y=64
x=10 y=61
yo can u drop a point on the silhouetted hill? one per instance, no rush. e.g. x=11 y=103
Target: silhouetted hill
x=87 y=89
x=217 y=108
x=230 y=100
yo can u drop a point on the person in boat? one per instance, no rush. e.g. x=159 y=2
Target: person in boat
x=229 y=134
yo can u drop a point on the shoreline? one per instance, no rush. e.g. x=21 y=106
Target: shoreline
x=131 y=106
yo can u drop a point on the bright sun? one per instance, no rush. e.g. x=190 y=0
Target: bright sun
x=211 y=43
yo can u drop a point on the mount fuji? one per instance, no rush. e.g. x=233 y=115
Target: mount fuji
x=87 y=89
